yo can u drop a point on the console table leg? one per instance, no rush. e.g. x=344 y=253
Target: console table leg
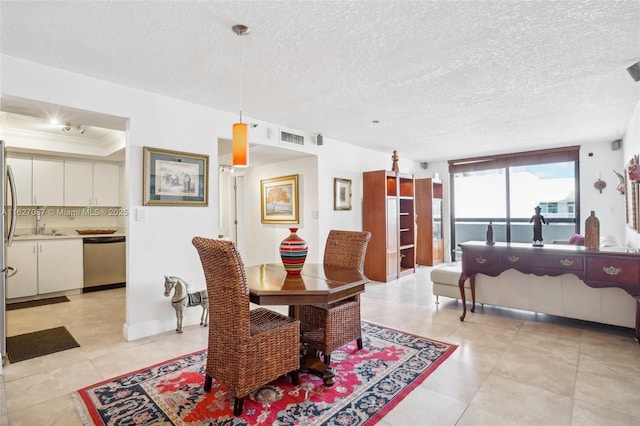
x=461 y=281
x=472 y=286
x=638 y=320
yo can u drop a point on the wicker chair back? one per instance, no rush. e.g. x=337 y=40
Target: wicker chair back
x=346 y=249
x=227 y=287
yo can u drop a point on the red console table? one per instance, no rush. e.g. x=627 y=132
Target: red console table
x=596 y=268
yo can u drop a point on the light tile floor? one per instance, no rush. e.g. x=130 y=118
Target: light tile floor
x=511 y=367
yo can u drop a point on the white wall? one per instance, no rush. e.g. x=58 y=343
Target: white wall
x=334 y=159
x=631 y=147
x=263 y=240
x=608 y=206
x=162 y=243
x=341 y=160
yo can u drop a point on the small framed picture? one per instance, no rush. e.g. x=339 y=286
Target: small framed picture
x=341 y=194
x=174 y=178
x=279 y=199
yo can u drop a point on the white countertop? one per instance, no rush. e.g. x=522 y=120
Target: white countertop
x=61 y=233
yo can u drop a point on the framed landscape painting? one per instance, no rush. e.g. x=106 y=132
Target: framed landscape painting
x=174 y=178
x=279 y=199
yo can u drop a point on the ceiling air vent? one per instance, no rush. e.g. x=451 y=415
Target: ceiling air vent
x=291 y=138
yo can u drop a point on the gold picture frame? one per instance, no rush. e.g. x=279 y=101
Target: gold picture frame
x=175 y=178
x=341 y=194
x=279 y=200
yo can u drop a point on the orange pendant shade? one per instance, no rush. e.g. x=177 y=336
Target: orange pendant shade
x=240 y=145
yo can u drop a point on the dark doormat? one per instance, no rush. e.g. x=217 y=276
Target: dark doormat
x=39 y=343
x=32 y=303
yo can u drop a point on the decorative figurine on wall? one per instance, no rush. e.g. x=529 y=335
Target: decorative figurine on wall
x=182 y=298
x=490 y=241
x=622 y=183
x=394 y=165
x=600 y=184
x=537 y=220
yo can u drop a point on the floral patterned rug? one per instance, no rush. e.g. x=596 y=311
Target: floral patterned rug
x=368 y=383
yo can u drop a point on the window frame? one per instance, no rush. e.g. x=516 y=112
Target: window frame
x=505 y=161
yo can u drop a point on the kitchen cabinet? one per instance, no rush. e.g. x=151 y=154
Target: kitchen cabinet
x=22 y=168
x=59 y=265
x=106 y=184
x=89 y=183
x=48 y=182
x=389 y=214
x=45 y=266
x=78 y=183
x=23 y=255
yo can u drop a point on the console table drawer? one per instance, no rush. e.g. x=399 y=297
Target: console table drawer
x=617 y=271
x=554 y=263
x=486 y=262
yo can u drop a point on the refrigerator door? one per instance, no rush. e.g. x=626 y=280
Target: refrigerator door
x=14 y=206
x=3 y=254
x=5 y=271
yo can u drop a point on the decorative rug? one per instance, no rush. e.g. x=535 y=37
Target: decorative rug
x=39 y=302
x=39 y=343
x=368 y=384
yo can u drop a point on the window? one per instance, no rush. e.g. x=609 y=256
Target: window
x=504 y=191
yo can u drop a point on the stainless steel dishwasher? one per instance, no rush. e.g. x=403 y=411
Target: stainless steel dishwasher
x=104 y=263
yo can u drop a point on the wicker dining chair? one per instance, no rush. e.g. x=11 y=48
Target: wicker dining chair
x=328 y=327
x=247 y=348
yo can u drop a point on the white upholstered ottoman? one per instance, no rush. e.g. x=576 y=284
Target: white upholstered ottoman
x=445 y=281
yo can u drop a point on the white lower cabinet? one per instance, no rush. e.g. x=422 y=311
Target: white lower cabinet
x=46 y=266
x=23 y=255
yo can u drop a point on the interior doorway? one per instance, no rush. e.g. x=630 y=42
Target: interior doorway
x=87 y=141
x=232 y=188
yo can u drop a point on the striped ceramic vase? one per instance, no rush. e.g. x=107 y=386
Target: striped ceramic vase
x=293 y=251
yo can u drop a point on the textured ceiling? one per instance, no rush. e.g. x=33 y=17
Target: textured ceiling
x=445 y=79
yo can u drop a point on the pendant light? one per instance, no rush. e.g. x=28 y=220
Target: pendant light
x=240 y=141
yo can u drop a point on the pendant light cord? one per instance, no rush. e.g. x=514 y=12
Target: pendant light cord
x=241 y=74
x=241 y=30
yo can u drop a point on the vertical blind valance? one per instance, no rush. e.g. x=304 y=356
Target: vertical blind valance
x=501 y=161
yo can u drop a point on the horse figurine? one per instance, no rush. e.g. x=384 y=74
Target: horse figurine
x=182 y=299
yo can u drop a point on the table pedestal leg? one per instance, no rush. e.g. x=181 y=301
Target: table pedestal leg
x=310 y=363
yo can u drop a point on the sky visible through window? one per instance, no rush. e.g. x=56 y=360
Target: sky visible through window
x=483 y=194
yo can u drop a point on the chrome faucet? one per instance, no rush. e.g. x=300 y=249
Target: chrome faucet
x=39 y=228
